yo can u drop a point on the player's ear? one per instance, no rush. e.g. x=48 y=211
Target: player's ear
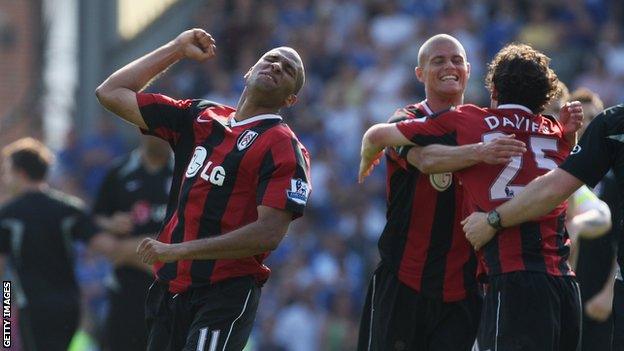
x=468 y=69
x=419 y=73
x=290 y=100
x=494 y=98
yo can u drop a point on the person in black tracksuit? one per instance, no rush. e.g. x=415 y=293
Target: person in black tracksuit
x=38 y=226
x=131 y=203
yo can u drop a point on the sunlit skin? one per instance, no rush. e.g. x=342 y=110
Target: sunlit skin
x=444 y=71
x=272 y=83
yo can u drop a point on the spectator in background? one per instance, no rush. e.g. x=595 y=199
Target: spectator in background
x=131 y=204
x=339 y=331
x=539 y=30
x=97 y=151
x=37 y=229
x=599 y=80
x=86 y=158
x=298 y=326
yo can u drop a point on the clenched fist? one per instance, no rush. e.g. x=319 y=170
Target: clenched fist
x=196 y=44
x=152 y=251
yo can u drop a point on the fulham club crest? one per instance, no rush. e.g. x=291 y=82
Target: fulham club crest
x=246 y=139
x=441 y=181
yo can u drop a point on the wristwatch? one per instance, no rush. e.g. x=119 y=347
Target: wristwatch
x=494 y=220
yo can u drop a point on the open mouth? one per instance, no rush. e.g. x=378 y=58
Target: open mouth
x=450 y=77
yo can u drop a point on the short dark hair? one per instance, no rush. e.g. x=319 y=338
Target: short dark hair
x=30 y=156
x=521 y=75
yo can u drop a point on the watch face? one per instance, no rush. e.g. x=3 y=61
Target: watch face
x=493 y=219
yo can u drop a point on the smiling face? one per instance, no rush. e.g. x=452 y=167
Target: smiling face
x=443 y=68
x=278 y=75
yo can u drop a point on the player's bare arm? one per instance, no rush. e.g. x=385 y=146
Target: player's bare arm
x=374 y=141
x=117 y=92
x=444 y=158
x=261 y=236
x=541 y=196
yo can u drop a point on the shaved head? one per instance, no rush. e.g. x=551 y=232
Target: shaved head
x=425 y=49
x=443 y=69
x=293 y=55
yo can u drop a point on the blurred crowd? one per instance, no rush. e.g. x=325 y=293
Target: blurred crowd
x=360 y=58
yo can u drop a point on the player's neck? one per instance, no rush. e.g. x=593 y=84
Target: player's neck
x=248 y=108
x=441 y=103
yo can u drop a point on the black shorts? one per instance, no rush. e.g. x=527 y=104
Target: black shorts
x=216 y=317
x=530 y=311
x=618 y=316
x=395 y=317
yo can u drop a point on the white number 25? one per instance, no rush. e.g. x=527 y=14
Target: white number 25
x=501 y=189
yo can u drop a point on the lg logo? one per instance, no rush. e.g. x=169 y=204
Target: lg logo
x=215 y=175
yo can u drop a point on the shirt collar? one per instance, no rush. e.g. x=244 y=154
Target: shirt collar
x=514 y=106
x=233 y=123
x=426 y=107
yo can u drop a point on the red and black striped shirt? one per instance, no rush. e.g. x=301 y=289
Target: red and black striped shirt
x=423 y=241
x=542 y=245
x=223 y=170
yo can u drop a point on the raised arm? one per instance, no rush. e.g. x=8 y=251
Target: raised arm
x=118 y=92
x=255 y=238
x=444 y=158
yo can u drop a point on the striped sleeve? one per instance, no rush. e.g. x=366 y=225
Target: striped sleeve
x=398 y=154
x=284 y=181
x=166 y=118
x=436 y=129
